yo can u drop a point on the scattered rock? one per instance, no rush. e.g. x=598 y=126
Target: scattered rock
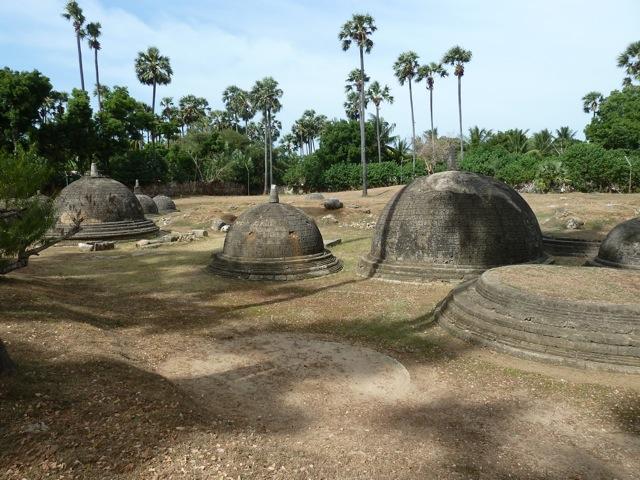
x=217 y=224
x=199 y=233
x=354 y=205
x=229 y=218
x=142 y=243
x=96 y=246
x=329 y=219
x=332 y=242
x=233 y=207
x=35 y=427
x=332 y=204
x=225 y=228
x=314 y=196
x=574 y=224
x=366 y=210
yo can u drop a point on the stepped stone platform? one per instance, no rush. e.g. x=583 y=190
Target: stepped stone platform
x=274 y=241
x=581 y=317
x=621 y=247
x=452 y=226
x=108 y=208
x=570 y=247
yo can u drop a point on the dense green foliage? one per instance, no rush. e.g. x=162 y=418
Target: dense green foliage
x=616 y=123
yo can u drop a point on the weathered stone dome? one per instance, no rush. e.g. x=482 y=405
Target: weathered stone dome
x=621 y=247
x=108 y=209
x=148 y=205
x=452 y=225
x=164 y=203
x=274 y=241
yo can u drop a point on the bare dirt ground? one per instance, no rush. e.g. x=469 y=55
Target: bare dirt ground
x=140 y=364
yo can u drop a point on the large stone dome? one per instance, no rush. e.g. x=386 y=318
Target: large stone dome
x=108 y=209
x=149 y=207
x=621 y=247
x=274 y=241
x=164 y=204
x=452 y=225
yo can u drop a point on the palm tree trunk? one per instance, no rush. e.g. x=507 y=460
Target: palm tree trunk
x=433 y=133
x=363 y=158
x=248 y=187
x=378 y=132
x=266 y=158
x=460 y=116
x=270 y=148
x=95 y=58
x=80 y=60
x=413 y=129
x=153 y=99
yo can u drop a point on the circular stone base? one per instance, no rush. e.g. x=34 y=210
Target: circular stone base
x=112 y=230
x=570 y=247
x=290 y=268
x=423 y=272
x=566 y=315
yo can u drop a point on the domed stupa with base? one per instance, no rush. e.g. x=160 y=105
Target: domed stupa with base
x=274 y=241
x=621 y=247
x=451 y=226
x=108 y=209
x=164 y=204
x=149 y=207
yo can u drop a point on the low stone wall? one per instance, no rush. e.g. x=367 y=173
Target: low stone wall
x=570 y=247
x=186 y=189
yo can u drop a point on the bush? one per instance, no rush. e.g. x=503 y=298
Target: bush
x=342 y=176
x=592 y=168
x=148 y=165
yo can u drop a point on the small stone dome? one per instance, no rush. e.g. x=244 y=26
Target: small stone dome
x=164 y=203
x=108 y=209
x=148 y=205
x=452 y=225
x=621 y=247
x=274 y=241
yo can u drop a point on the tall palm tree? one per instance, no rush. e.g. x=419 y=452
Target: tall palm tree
x=266 y=96
x=358 y=30
x=563 y=138
x=427 y=73
x=93 y=31
x=405 y=69
x=457 y=57
x=591 y=102
x=352 y=106
x=231 y=97
x=630 y=61
x=378 y=94
x=73 y=13
x=153 y=69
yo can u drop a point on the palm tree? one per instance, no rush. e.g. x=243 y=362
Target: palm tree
x=516 y=140
x=591 y=102
x=93 y=30
x=73 y=13
x=542 y=142
x=358 y=30
x=405 y=68
x=563 y=138
x=192 y=109
x=457 y=57
x=153 y=69
x=478 y=136
x=630 y=61
x=266 y=97
x=428 y=72
x=352 y=106
x=378 y=94
x=231 y=97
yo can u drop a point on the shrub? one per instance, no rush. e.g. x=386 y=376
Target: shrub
x=342 y=176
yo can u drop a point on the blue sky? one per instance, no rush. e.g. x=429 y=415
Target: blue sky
x=532 y=60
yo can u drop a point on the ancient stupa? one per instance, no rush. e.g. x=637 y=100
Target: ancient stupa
x=451 y=226
x=164 y=204
x=274 y=241
x=585 y=317
x=149 y=207
x=109 y=210
x=621 y=247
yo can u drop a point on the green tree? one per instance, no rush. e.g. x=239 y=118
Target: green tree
x=479 y=136
x=405 y=69
x=231 y=97
x=378 y=94
x=457 y=57
x=563 y=137
x=192 y=110
x=617 y=124
x=428 y=73
x=630 y=61
x=73 y=13
x=153 y=69
x=93 y=31
x=591 y=102
x=359 y=30
x=266 y=96
x=542 y=143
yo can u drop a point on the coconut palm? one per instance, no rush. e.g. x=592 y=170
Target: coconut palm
x=266 y=96
x=153 y=69
x=405 y=69
x=378 y=94
x=630 y=61
x=542 y=142
x=73 y=13
x=93 y=31
x=591 y=102
x=516 y=140
x=358 y=30
x=563 y=138
x=457 y=57
x=478 y=136
x=428 y=73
